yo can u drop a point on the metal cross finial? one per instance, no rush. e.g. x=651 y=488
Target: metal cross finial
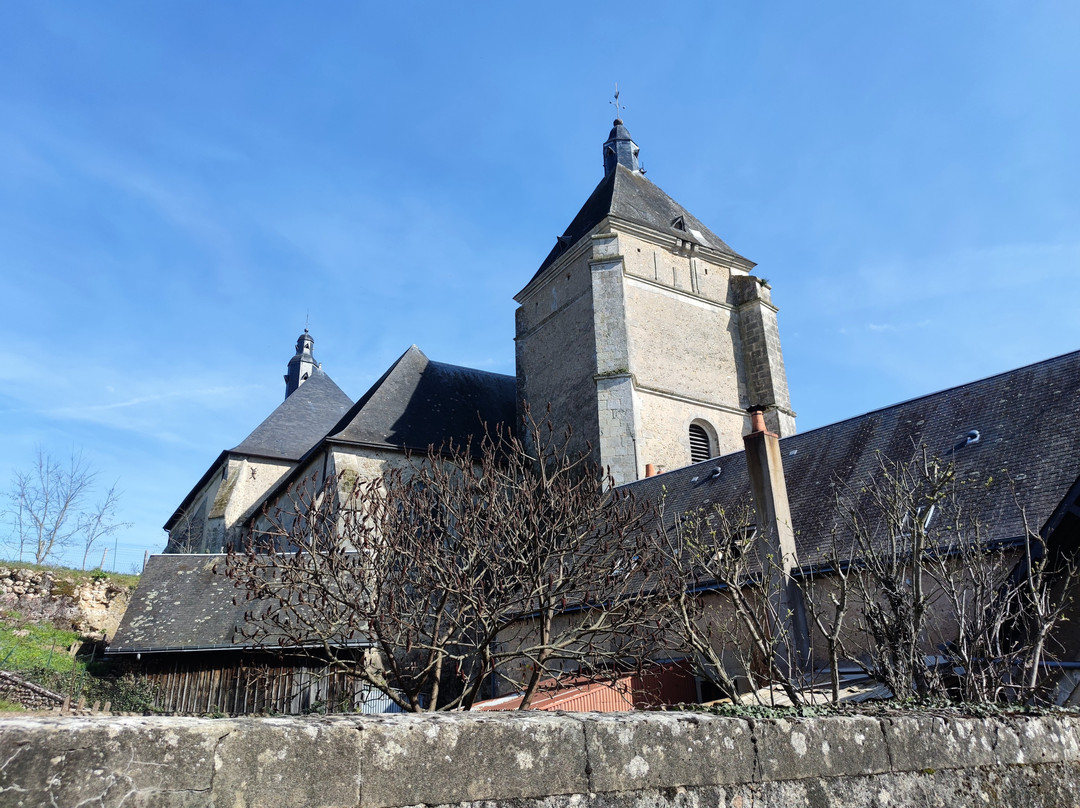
x=615 y=103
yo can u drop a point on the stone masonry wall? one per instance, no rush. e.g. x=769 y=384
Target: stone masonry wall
x=767 y=379
x=541 y=760
x=556 y=350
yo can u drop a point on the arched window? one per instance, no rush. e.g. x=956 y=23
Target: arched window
x=701 y=447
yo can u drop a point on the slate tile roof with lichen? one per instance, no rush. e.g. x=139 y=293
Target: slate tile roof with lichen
x=186 y=603
x=181 y=604
x=1028 y=425
x=419 y=403
x=627 y=194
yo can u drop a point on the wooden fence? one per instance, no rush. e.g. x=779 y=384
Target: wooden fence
x=188 y=684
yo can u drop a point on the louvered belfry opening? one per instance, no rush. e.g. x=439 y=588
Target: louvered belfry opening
x=699 y=444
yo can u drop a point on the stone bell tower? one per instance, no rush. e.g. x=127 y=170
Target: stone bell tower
x=645 y=332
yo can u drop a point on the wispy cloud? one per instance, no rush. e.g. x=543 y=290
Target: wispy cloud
x=87 y=411
x=895 y=327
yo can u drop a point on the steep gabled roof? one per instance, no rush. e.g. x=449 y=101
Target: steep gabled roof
x=299 y=422
x=419 y=403
x=288 y=433
x=628 y=195
x=1028 y=425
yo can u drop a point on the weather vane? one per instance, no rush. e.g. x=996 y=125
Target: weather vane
x=615 y=103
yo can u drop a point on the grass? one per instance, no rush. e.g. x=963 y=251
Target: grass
x=41 y=656
x=38 y=651
x=44 y=646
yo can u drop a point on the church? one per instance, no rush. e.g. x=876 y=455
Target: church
x=642 y=329
x=652 y=340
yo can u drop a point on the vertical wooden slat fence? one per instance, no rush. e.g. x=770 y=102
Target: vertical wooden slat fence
x=192 y=684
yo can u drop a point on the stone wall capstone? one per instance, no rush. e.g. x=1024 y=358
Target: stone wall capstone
x=541 y=760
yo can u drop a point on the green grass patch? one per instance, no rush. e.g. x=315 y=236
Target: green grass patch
x=10 y=706
x=43 y=646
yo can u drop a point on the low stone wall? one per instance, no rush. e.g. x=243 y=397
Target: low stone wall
x=32 y=696
x=536 y=760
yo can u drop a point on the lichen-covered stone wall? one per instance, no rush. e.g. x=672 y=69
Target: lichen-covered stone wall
x=541 y=760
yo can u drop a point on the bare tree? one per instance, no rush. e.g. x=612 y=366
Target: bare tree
x=51 y=508
x=910 y=590
x=716 y=592
x=187 y=532
x=887 y=521
x=1007 y=603
x=940 y=610
x=828 y=601
x=98 y=521
x=500 y=565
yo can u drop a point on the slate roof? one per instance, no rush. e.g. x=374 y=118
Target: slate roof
x=629 y=195
x=288 y=433
x=299 y=422
x=1028 y=422
x=180 y=604
x=419 y=403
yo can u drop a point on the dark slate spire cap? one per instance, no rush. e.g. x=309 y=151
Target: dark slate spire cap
x=304 y=344
x=620 y=149
x=301 y=365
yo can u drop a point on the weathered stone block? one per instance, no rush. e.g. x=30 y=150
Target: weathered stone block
x=642 y=750
x=1040 y=739
x=281 y=762
x=927 y=743
x=451 y=758
x=797 y=749
x=107 y=762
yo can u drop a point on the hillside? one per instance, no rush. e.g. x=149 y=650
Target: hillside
x=54 y=623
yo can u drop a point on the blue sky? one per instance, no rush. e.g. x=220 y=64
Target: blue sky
x=181 y=184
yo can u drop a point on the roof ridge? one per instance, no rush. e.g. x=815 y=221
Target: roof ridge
x=319 y=383
x=353 y=411
x=799 y=436
x=471 y=369
x=942 y=391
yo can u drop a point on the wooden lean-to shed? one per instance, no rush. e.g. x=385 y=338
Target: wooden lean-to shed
x=183 y=633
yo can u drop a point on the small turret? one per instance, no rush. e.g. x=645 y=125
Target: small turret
x=620 y=149
x=301 y=365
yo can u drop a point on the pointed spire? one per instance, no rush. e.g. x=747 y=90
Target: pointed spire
x=620 y=149
x=301 y=365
